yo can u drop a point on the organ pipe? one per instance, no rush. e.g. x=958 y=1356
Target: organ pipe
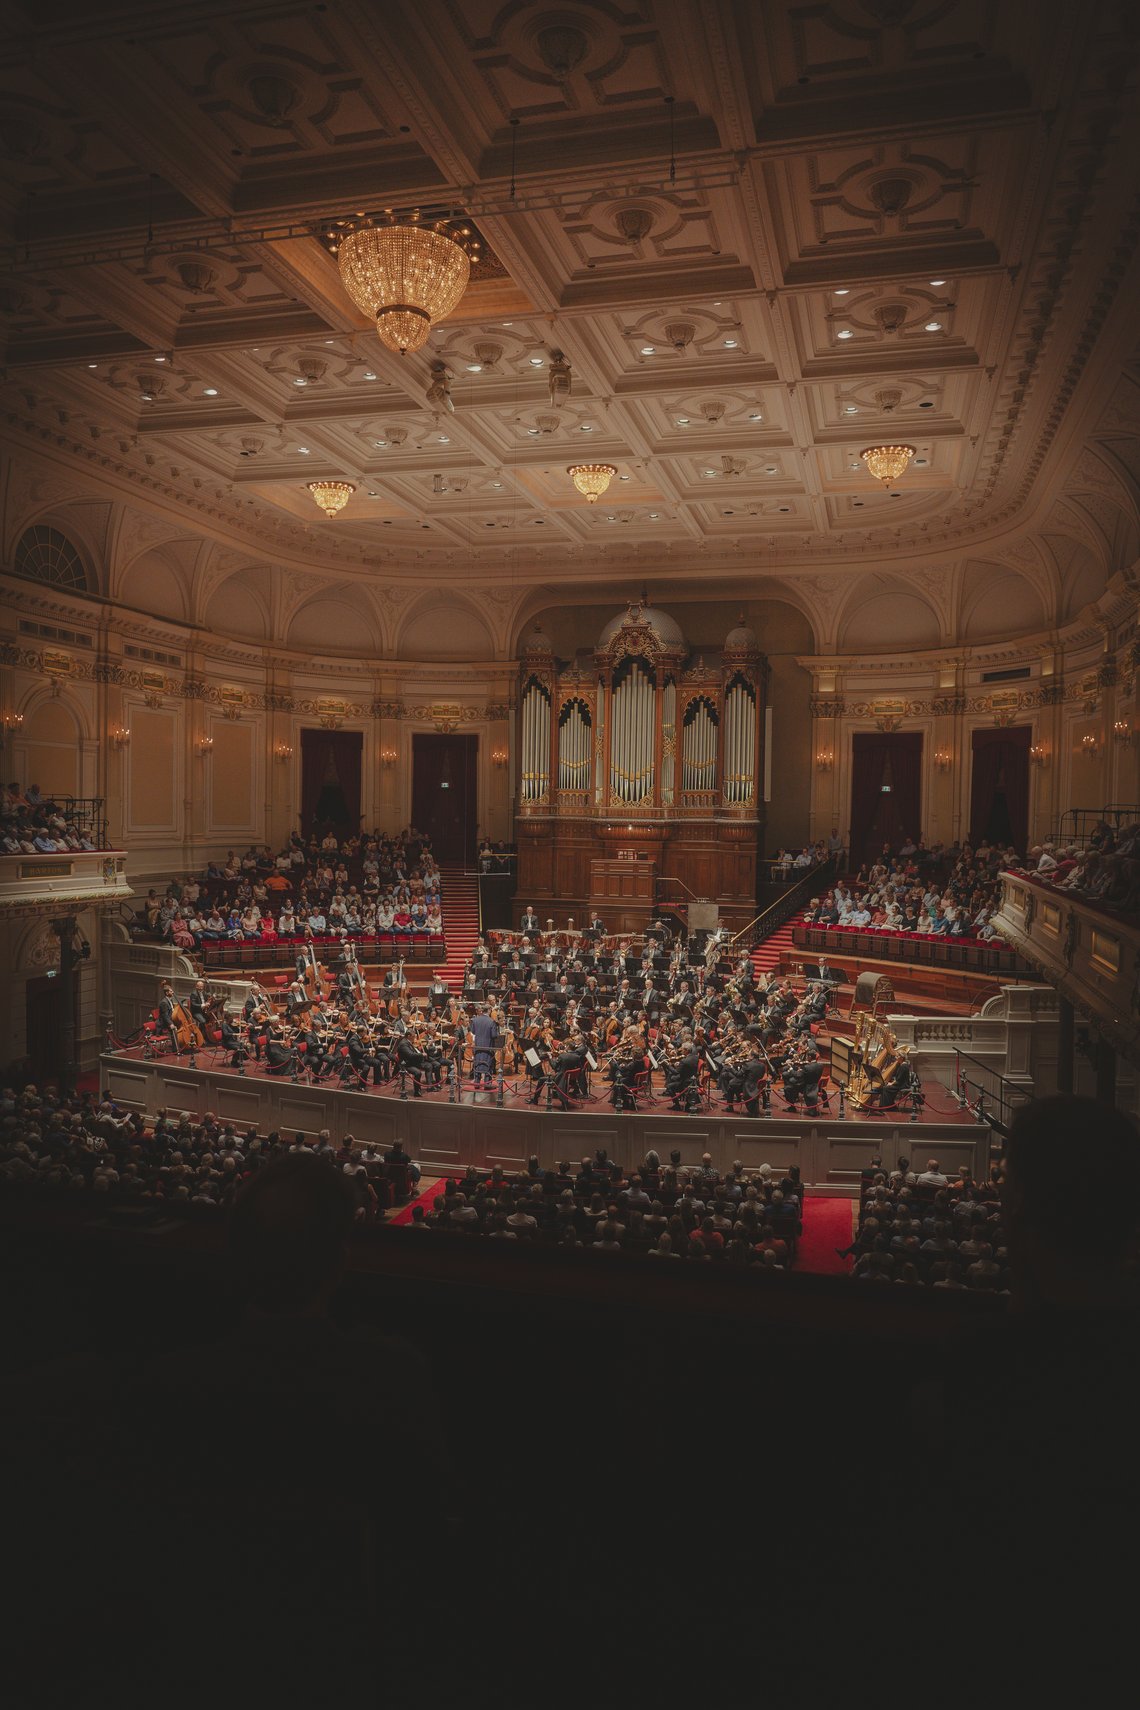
x=535 y=742
x=740 y=742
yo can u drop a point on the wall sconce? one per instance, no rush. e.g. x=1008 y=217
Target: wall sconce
x=943 y=759
x=1089 y=746
x=1039 y=754
x=120 y=736
x=11 y=722
x=499 y=757
x=388 y=758
x=1122 y=733
x=205 y=747
x=283 y=752
x=825 y=760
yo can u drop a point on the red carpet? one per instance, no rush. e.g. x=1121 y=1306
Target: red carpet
x=404 y=1215
x=827 y=1225
x=766 y=955
x=460 y=922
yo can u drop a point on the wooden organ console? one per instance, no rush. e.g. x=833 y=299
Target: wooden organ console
x=644 y=747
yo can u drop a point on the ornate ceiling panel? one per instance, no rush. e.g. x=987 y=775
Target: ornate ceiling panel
x=753 y=239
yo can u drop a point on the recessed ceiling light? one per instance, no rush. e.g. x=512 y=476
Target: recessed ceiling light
x=537 y=361
x=611 y=519
x=330 y=341
x=655 y=516
x=938 y=281
x=717 y=303
x=623 y=477
x=853 y=466
x=496 y=484
x=379 y=444
x=709 y=474
x=649 y=350
x=934 y=326
x=372 y=494
x=368 y=374
x=92 y=365
x=160 y=359
x=586 y=427
x=682 y=421
x=844 y=292
x=730 y=344
x=927 y=404
x=532 y=430
x=300 y=381
x=304 y=450
x=508 y=323
x=146 y=396
x=785 y=509
x=851 y=410
x=858 y=503
x=756 y=416
x=771 y=469
x=845 y=333
x=444 y=439
x=209 y=392
x=920 y=463
x=896 y=495
x=474 y=368
x=728 y=513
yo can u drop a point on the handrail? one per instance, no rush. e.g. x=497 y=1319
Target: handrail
x=789 y=899
x=1122 y=813
x=668 y=879
x=1007 y=1102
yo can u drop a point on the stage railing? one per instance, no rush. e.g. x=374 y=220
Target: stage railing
x=1078 y=824
x=986 y=1092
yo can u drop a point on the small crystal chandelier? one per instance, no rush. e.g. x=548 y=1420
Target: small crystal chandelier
x=887 y=462
x=331 y=496
x=591 y=479
x=406 y=275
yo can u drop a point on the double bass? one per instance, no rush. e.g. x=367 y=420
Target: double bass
x=188 y=1035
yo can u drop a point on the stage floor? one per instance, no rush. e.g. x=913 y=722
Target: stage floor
x=445 y=1136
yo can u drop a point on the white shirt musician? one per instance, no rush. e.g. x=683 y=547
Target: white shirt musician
x=529 y=921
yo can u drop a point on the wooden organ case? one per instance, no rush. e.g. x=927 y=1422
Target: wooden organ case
x=650 y=755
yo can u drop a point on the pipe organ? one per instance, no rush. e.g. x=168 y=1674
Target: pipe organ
x=535 y=738
x=641 y=748
x=575 y=745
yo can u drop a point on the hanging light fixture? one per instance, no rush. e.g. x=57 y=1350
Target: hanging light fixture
x=887 y=462
x=591 y=479
x=331 y=496
x=406 y=275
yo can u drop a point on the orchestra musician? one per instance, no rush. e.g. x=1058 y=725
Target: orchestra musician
x=199 y=1007
x=530 y=921
x=166 y=1015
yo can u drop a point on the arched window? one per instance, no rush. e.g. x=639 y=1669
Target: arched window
x=45 y=555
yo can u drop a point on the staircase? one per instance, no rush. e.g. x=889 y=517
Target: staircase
x=460 y=922
x=767 y=955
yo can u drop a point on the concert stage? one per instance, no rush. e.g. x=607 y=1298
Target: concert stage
x=444 y=1138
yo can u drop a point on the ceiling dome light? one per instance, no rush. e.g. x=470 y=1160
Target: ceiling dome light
x=934 y=326
x=845 y=333
x=369 y=374
x=591 y=479
x=331 y=496
x=209 y=392
x=938 y=281
x=407 y=276
x=845 y=291
x=887 y=462
x=649 y=350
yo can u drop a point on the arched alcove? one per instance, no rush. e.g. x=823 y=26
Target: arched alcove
x=152 y=584
x=997 y=603
x=888 y=620
x=239 y=608
x=330 y=624
x=444 y=627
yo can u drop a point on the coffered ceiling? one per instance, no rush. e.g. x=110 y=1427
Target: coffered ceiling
x=763 y=236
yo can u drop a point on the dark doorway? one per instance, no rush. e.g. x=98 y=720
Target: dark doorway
x=330 y=780
x=444 y=801
x=886 y=791
x=999 y=786
x=43 y=1025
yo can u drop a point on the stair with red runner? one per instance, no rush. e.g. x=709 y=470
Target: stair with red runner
x=460 y=921
x=767 y=955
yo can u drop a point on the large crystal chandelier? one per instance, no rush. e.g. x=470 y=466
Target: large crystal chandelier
x=331 y=496
x=406 y=275
x=887 y=462
x=591 y=479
